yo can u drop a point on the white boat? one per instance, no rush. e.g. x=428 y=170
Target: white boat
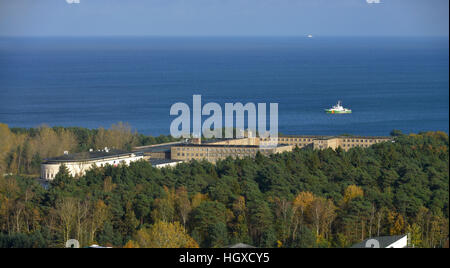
x=338 y=109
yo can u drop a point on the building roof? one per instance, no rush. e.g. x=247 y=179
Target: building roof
x=89 y=156
x=384 y=241
x=305 y=136
x=159 y=148
x=335 y=136
x=221 y=140
x=365 y=137
x=240 y=245
x=326 y=138
x=96 y=246
x=228 y=146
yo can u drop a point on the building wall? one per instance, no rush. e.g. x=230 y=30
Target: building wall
x=196 y=151
x=332 y=143
x=318 y=142
x=215 y=153
x=49 y=170
x=165 y=165
x=157 y=155
x=347 y=143
x=299 y=141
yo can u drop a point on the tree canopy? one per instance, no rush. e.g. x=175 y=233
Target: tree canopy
x=303 y=198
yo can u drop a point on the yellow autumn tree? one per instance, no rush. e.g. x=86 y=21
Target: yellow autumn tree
x=352 y=192
x=99 y=215
x=131 y=244
x=300 y=207
x=182 y=205
x=323 y=212
x=163 y=235
x=396 y=223
x=121 y=136
x=118 y=136
x=415 y=234
x=51 y=143
x=302 y=201
x=101 y=139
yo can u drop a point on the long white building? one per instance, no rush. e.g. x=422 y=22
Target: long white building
x=79 y=163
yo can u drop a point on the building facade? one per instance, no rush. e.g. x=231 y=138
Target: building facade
x=78 y=164
x=215 y=152
x=333 y=142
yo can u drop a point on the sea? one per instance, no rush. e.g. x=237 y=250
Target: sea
x=388 y=82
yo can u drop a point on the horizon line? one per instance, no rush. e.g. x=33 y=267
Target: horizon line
x=222 y=36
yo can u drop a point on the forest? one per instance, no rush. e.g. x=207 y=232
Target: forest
x=303 y=199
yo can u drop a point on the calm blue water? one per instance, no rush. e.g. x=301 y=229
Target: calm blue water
x=389 y=83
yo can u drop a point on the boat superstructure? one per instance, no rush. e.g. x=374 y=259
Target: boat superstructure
x=338 y=109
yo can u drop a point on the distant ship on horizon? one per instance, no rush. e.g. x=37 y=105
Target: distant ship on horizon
x=338 y=109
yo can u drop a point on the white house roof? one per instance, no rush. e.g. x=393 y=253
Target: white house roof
x=396 y=241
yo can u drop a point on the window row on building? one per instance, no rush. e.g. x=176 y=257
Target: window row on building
x=209 y=149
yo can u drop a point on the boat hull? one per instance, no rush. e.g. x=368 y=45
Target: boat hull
x=338 y=112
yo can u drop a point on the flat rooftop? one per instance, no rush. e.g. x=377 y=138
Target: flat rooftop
x=89 y=156
x=331 y=136
x=221 y=140
x=158 y=148
x=364 y=137
x=228 y=146
x=306 y=136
